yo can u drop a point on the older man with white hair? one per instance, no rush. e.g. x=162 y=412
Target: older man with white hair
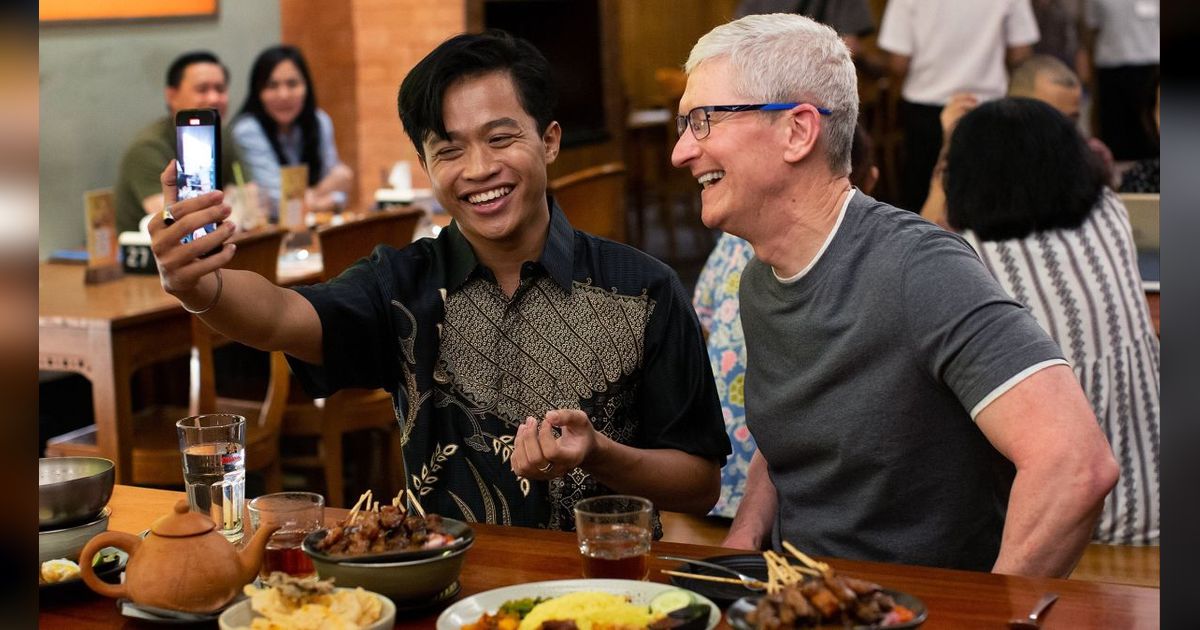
x=905 y=409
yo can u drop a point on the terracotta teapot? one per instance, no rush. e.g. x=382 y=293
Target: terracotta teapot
x=182 y=564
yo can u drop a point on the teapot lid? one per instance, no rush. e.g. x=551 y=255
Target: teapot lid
x=182 y=522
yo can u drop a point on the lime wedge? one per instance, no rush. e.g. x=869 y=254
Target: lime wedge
x=670 y=600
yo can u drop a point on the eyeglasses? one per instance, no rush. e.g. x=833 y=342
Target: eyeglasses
x=698 y=118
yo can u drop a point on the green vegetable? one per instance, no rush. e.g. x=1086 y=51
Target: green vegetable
x=106 y=556
x=520 y=607
x=673 y=599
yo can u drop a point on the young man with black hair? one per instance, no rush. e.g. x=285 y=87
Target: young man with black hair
x=532 y=365
x=195 y=80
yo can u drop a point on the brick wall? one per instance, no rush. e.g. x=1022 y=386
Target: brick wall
x=359 y=52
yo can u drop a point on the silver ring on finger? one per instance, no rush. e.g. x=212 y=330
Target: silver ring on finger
x=546 y=468
x=167 y=217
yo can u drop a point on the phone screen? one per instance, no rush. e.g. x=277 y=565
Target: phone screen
x=198 y=145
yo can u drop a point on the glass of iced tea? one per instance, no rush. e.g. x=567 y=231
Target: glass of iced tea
x=297 y=514
x=614 y=536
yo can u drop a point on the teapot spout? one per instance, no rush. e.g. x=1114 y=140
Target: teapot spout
x=251 y=556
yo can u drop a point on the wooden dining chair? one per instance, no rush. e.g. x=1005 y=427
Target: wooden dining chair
x=594 y=199
x=351 y=410
x=156 y=459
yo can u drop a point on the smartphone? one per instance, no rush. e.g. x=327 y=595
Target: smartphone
x=198 y=147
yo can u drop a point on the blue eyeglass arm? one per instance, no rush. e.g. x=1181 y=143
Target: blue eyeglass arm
x=767 y=107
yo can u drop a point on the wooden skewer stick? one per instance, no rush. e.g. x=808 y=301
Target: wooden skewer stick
x=354 y=510
x=824 y=568
x=416 y=504
x=713 y=578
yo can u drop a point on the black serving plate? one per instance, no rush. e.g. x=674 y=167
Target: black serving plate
x=723 y=595
x=736 y=616
x=463 y=534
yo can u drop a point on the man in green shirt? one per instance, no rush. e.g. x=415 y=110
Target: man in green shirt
x=194 y=80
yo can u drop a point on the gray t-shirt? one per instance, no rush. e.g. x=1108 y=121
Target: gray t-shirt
x=862 y=379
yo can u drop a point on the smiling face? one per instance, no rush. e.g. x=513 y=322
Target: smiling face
x=734 y=164
x=283 y=95
x=202 y=86
x=490 y=173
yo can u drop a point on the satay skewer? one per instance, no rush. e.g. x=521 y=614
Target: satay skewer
x=354 y=510
x=416 y=504
x=825 y=569
x=714 y=578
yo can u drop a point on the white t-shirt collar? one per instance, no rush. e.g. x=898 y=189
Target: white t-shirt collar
x=824 y=246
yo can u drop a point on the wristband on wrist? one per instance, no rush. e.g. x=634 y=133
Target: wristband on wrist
x=216 y=296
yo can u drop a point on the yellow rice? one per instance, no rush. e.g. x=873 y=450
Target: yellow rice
x=605 y=610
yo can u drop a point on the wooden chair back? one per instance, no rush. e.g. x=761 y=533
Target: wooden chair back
x=258 y=252
x=594 y=199
x=343 y=245
x=671 y=83
x=1144 y=216
x=350 y=410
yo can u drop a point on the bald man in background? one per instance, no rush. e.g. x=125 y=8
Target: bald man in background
x=1051 y=81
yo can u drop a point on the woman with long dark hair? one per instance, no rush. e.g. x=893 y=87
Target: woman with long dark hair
x=280 y=125
x=1024 y=189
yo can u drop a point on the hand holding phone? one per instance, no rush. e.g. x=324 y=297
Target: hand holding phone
x=198 y=145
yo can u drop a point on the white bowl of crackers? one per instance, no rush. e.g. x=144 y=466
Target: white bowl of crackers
x=283 y=601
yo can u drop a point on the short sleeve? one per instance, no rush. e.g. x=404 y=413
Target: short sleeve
x=257 y=152
x=357 y=344
x=966 y=331
x=896 y=28
x=678 y=403
x=142 y=167
x=1020 y=26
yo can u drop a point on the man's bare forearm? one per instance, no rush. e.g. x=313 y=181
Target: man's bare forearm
x=671 y=479
x=751 y=528
x=1051 y=516
x=252 y=310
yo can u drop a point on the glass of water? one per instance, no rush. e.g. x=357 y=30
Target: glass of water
x=214 y=468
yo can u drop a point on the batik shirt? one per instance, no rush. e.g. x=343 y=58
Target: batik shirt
x=593 y=325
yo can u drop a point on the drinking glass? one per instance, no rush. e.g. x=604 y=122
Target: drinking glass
x=614 y=536
x=214 y=468
x=297 y=514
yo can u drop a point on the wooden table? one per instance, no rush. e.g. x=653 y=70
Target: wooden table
x=106 y=332
x=504 y=556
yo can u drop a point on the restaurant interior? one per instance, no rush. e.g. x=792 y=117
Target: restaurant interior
x=120 y=361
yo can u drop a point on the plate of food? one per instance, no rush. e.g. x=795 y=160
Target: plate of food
x=814 y=596
x=284 y=601
x=391 y=533
x=61 y=574
x=585 y=603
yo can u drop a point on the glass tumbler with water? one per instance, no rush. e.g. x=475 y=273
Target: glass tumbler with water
x=614 y=536
x=214 y=468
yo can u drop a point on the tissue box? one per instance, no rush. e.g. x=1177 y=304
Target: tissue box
x=136 y=256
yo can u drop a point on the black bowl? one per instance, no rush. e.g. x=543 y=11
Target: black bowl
x=463 y=534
